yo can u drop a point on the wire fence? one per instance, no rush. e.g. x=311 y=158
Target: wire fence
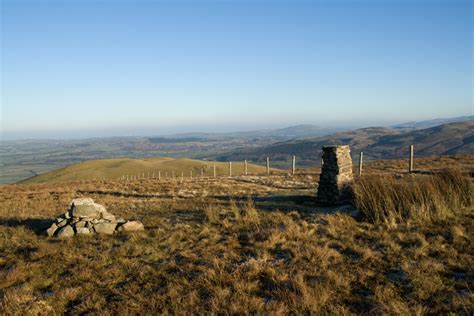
x=214 y=172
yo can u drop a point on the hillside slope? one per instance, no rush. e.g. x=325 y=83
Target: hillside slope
x=114 y=168
x=376 y=142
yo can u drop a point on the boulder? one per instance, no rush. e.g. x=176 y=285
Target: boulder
x=81 y=201
x=80 y=224
x=131 y=226
x=66 y=231
x=105 y=228
x=107 y=216
x=51 y=230
x=85 y=211
x=62 y=222
x=83 y=230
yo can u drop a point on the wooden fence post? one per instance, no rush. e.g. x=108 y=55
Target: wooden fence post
x=361 y=158
x=182 y=175
x=230 y=168
x=268 y=165
x=191 y=174
x=214 y=167
x=246 y=170
x=410 y=167
x=293 y=165
x=159 y=174
x=202 y=172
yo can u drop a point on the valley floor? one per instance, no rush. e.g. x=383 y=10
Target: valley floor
x=248 y=244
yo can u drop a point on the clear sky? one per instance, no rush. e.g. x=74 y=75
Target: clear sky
x=125 y=67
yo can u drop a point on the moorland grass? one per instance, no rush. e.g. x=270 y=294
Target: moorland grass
x=393 y=199
x=211 y=247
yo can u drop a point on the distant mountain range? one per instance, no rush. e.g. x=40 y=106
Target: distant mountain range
x=376 y=142
x=435 y=122
x=300 y=131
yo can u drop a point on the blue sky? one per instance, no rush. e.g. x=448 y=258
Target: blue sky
x=131 y=67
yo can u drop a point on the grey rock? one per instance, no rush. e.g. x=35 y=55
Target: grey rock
x=131 y=226
x=85 y=211
x=121 y=220
x=62 y=223
x=66 y=231
x=107 y=216
x=51 y=230
x=80 y=224
x=83 y=230
x=105 y=228
x=81 y=201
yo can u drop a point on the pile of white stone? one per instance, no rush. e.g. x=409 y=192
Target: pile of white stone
x=84 y=216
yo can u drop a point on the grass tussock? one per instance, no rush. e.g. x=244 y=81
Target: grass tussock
x=393 y=199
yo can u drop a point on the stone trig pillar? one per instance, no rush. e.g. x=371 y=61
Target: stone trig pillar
x=336 y=175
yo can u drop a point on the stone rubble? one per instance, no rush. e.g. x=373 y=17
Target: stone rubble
x=336 y=175
x=84 y=216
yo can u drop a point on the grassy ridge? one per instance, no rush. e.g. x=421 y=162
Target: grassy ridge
x=114 y=168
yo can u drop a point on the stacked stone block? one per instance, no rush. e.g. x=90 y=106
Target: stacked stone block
x=336 y=175
x=84 y=217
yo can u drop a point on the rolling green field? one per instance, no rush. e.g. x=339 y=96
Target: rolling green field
x=113 y=169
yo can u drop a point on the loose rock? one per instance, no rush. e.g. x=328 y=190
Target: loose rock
x=131 y=226
x=105 y=228
x=66 y=231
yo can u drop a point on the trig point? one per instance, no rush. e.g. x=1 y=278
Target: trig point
x=336 y=175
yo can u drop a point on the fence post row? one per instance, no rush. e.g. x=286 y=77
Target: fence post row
x=139 y=176
x=293 y=165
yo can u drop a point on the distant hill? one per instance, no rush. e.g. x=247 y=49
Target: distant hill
x=114 y=168
x=304 y=130
x=435 y=122
x=300 y=131
x=376 y=142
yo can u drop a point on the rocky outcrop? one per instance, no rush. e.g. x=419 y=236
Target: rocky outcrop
x=336 y=175
x=84 y=216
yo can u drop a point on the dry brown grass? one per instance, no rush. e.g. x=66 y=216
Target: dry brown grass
x=393 y=199
x=226 y=246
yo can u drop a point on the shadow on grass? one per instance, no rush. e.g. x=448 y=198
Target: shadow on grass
x=307 y=204
x=37 y=225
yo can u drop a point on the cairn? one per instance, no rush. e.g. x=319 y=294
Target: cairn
x=84 y=217
x=336 y=175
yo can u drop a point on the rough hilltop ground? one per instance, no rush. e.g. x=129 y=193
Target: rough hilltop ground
x=234 y=245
